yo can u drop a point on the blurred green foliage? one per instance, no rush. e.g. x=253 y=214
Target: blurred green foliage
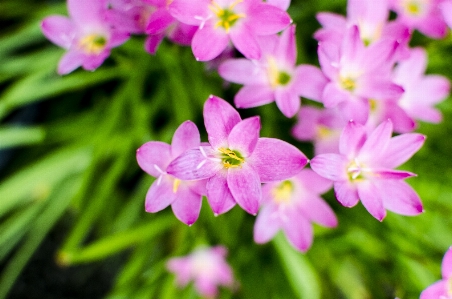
x=69 y=145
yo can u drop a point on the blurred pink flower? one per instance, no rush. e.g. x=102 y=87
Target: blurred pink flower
x=443 y=288
x=291 y=205
x=363 y=169
x=86 y=35
x=446 y=9
x=206 y=267
x=185 y=197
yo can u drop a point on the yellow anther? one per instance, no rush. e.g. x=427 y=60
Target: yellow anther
x=413 y=8
x=93 y=43
x=230 y=154
x=226 y=16
x=348 y=84
x=323 y=131
x=228 y=165
x=283 y=192
x=176 y=184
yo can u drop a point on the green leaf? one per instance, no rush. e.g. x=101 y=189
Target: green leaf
x=15 y=136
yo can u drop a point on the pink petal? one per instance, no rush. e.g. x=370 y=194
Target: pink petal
x=446 y=7
x=399 y=197
x=374 y=88
x=376 y=143
x=187 y=206
x=346 y=193
x=446 y=265
x=412 y=67
x=266 y=225
x=368 y=11
x=432 y=89
x=371 y=199
x=245 y=187
x=59 y=30
x=330 y=166
x=333 y=95
x=352 y=45
x=286 y=49
x=282 y=4
x=208 y=43
x=320 y=212
x=331 y=20
x=92 y=62
x=253 y=96
x=276 y=160
x=152 y=43
x=356 y=109
x=299 y=232
x=306 y=127
x=287 y=101
x=87 y=12
x=389 y=174
x=160 y=194
x=245 y=41
x=310 y=82
x=242 y=71
x=433 y=26
x=267 y=19
x=435 y=291
x=314 y=182
x=159 y=21
x=187 y=11
x=186 y=137
x=194 y=165
x=352 y=139
x=244 y=136
x=69 y=62
x=153 y=157
x=401 y=148
x=219 y=118
x=329 y=59
x=219 y=195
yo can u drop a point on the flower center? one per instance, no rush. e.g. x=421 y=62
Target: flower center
x=323 y=131
x=231 y=158
x=283 y=192
x=277 y=77
x=93 y=44
x=355 y=171
x=348 y=83
x=413 y=8
x=227 y=17
x=176 y=184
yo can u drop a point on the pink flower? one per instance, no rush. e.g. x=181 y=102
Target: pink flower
x=237 y=161
x=443 y=288
x=292 y=205
x=446 y=9
x=357 y=74
x=185 y=197
x=207 y=267
x=219 y=21
x=274 y=77
x=363 y=169
x=423 y=15
x=86 y=35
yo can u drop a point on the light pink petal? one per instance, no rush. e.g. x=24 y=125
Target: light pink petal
x=182 y=268
x=402 y=122
x=244 y=40
x=352 y=46
x=331 y=20
x=375 y=88
x=389 y=174
x=187 y=11
x=282 y=4
x=314 y=182
x=434 y=26
x=378 y=55
x=187 y=206
x=427 y=114
x=244 y=136
x=152 y=42
x=299 y=232
x=69 y=62
x=153 y=157
x=346 y=193
x=194 y=165
x=206 y=286
x=245 y=186
x=437 y=290
x=287 y=101
x=186 y=137
x=253 y=96
x=377 y=142
x=159 y=21
x=219 y=118
x=182 y=34
x=330 y=166
x=412 y=67
x=90 y=63
x=333 y=95
x=306 y=127
x=267 y=19
x=267 y=224
x=329 y=59
x=352 y=139
x=219 y=195
x=310 y=82
x=446 y=7
x=160 y=195
x=401 y=148
x=208 y=43
x=87 y=12
x=242 y=71
x=117 y=38
x=286 y=49
x=371 y=199
x=59 y=30
x=374 y=12
x=432 y=89
x=446 y=265
x=319 y=211
x=399 y=197
x=276 y=160
x=356 y=109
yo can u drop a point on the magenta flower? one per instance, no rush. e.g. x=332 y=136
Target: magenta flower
x=446 y=9
x=185 y=197
x=292 y=205
x=237 y=161
x=363 y=169
x=86 y=35
x=274 y=77
x=441 y=289
x=357 y=74
x=283 y=4
x=219 y=21
x=423 y=15
x=207 y=267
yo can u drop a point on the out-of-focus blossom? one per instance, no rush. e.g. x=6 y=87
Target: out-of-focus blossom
x=185 y=197
x=221 y=21
x=237 y=161
x=291 y=205
x=274 y=77
x=323 y=127
x=363 y=169
x=86 y=35
x=283 y=4
x=206 y=267
x=446 y=9
x=357 y=74
x=441 y=289
x=423 y=15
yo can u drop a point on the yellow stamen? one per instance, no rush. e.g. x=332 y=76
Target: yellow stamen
x=230 y=153
x=226 y=16
x=231 y=160
x=273 y=72
x=283 y=192
x=348 y=83
x=413 y=8
x=93 y=43
x=176 y=184
x=323 y=132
